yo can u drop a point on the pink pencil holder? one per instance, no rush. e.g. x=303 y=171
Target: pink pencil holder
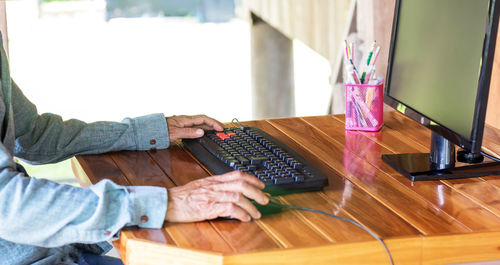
x=364 y=105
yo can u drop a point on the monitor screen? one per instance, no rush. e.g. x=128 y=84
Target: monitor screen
x=436 y=62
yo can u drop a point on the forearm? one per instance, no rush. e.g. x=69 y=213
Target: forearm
x=50 y=139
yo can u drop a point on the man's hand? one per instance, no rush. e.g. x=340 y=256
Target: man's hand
x=218 y=196
x=180 y=127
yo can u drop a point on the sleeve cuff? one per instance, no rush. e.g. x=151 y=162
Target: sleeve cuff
x=147 y=206
x=151 y=132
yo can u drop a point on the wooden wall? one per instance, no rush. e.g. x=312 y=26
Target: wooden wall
x=318 y=23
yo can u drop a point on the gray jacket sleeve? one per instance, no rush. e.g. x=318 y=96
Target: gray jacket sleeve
x=46 y=138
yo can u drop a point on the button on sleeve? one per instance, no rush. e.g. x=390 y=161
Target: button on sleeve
x=147 y=206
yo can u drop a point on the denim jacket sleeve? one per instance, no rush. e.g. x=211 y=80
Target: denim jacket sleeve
x=43 y=213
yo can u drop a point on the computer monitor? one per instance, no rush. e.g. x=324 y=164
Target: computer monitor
x=439 y=72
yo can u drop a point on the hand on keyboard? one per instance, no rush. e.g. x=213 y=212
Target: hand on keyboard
x=224 y=195
x=180 y=127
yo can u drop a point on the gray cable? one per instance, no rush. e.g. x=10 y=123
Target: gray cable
x=342 y=219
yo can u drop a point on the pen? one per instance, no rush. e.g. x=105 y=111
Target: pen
x=352 y=51
x=370 y=74
x=346 y=47
x=347 y=50
x=375 y=56
x=352 y=74
x=370 y=53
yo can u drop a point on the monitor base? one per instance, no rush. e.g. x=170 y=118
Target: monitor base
x=418 y=167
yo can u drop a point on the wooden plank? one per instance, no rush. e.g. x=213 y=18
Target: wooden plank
x=407 y=127
x=450 y=200
x=181 y=167
x=154 y=235
x=342 y=194
x=133 y=233
x=140 y=169
x=291 y=231
x=199 y=235
x=470 y=247
x=403 y=250
x=403 y=201
x=178 y=164
x=143 y=252
x=491 y=140
x=80 y=174
x=480 y=191
x=491 y=145
x=334 y=229
x=98 y=167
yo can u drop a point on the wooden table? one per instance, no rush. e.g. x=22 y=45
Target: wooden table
x=432 y=222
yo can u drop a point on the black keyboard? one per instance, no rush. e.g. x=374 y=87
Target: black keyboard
x=255 y=152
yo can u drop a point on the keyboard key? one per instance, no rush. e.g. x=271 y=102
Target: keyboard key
x=242 y=160
x=257 y=160
x=222 y=136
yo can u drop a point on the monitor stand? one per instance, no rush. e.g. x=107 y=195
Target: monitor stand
x=439 y=164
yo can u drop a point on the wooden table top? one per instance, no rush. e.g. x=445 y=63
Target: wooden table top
x=430 y=222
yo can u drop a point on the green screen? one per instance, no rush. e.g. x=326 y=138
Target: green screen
x=437 y=59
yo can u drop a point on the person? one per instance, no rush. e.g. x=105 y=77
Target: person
x=43 y=222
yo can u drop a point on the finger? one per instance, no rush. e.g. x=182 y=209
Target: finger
x=246 y=205
x=206 y=127
x=189 y=121
x=238 y=175
x=231 y=210
x=181 y=133
x=243 y=187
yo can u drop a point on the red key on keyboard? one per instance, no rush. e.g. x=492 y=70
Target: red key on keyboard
x=222 y=136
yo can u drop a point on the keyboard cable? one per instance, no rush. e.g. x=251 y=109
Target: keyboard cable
x=235 y=121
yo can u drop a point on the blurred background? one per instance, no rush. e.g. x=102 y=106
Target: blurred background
x=106 y=60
